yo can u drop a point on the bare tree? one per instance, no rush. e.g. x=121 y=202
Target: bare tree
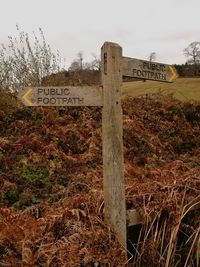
x=192 y=52
x=95 y=64
x=80 y=59
x=152 y=56
x=77 y=64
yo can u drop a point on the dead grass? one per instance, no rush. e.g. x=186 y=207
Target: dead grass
x=183 y=89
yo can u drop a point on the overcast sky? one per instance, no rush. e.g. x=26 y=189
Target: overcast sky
x=139 y=26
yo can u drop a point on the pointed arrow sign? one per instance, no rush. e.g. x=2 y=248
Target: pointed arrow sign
x=146 y=70
x=26 y=95
x=62 y=96
x=174 y=74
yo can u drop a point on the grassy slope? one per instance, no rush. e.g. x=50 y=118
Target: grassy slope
x=183 y=88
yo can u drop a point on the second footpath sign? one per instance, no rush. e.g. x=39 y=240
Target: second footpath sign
x=147 y=70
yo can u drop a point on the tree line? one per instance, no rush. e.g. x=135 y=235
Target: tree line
x=187 y=70
x=191 y=68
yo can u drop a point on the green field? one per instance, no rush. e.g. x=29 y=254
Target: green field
x=182 y=88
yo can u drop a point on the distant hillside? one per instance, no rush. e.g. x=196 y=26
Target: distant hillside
x=73 y=78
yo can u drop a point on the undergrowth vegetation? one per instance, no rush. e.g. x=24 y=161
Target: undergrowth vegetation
x=51 y=186
x=26 y=60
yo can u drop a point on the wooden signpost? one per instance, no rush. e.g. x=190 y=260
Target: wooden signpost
x=113 y=162
x=113 y=67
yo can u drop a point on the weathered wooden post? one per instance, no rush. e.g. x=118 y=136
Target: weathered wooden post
x=113 y=160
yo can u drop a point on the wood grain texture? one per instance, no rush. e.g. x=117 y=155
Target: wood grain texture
x=146 y=70
x=113 y=161
x=62 y=96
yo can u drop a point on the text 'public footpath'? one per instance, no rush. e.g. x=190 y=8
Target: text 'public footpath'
x=152 y=71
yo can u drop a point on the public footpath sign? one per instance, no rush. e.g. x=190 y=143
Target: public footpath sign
x=62 y=96
x=108 y=95
x=147 y=70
